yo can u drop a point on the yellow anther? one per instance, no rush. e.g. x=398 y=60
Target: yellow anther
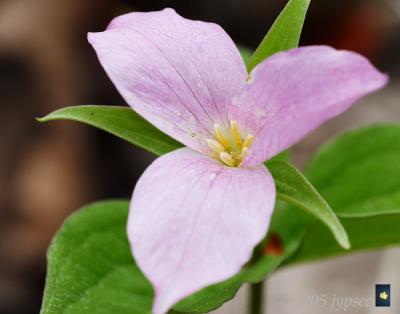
x=235 y=133
x=227 y=158
x=215 y=146
x=220 y=136
x=248 y=141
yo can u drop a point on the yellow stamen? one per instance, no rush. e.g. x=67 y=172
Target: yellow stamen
x=235 y=133
x=227 y=158
x=220 y=136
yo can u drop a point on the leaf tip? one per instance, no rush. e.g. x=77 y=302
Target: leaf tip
x=48 y=117
x=345 y=243
x=41 y=119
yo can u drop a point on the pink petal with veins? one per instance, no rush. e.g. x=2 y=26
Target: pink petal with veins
x=293 y=92
x=194 y=222
x=180 y=75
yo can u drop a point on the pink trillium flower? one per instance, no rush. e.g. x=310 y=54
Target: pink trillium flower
x=197 y=213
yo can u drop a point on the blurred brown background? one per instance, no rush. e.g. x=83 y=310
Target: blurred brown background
x=49 y=170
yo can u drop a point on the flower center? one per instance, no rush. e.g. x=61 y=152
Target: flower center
x=230 y=147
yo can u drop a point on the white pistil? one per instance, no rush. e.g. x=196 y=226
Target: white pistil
x=245 y=153
x=215 y=146
x=227 y=158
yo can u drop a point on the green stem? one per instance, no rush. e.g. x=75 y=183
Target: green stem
x=256 y=298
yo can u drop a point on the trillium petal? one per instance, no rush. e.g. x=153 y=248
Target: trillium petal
x=194 y=222
x=179 y=74
x=293 y=92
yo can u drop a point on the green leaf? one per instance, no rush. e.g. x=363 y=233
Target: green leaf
x=358 y=173
x=91 y=270
x=120 y=121
x=284 y=33
x=293 y=188
x=90 y=267
x=365 y=234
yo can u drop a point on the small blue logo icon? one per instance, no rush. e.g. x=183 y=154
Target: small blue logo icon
x=382 y=295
